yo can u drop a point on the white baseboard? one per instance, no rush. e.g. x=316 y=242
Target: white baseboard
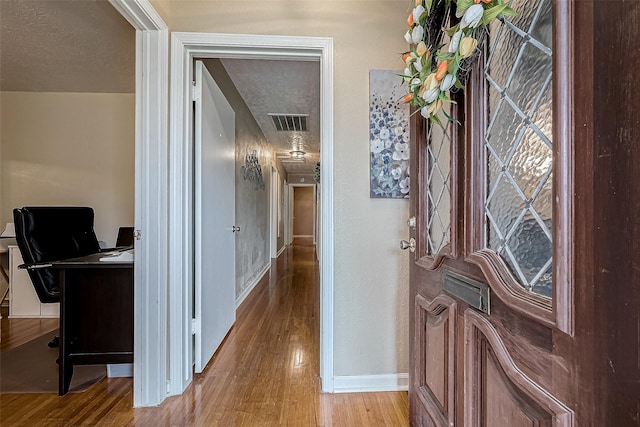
x=302 y=235
x=281 y=250
x=367 y=383
x=120 y=370
x=253 y=284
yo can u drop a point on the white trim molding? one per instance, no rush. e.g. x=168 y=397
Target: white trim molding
x=185 y=47
x=371 y=383
x=151 y=201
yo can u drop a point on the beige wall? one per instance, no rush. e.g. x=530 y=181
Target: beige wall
x=69 y=149
x=371 y=297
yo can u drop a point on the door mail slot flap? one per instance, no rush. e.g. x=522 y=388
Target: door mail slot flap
x=474 y=293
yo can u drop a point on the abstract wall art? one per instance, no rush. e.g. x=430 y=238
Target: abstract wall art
x=388 y=136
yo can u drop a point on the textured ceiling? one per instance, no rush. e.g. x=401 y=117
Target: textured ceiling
x=87 y=46
x=289 y=87
x=65 y=46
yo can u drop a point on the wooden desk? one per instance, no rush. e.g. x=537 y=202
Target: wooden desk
x=96 y=314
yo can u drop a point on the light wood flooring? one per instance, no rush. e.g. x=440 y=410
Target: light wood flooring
x=265 y=374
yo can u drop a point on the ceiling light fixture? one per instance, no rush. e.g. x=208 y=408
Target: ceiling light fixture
x=297 y=154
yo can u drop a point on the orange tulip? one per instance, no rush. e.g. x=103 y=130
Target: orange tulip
x=442 y=70
x=410 y=20
x=405 y=56
x=483 y=1
x=408 y=97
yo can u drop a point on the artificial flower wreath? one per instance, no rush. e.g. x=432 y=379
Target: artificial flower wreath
x=430 y=76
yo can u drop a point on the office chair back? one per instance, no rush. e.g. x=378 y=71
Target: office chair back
x=47 y=234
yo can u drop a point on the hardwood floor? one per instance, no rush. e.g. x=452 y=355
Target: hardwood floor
x=265 y=374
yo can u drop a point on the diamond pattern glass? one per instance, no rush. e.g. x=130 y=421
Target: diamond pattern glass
x=518 y=144
x=438 y=186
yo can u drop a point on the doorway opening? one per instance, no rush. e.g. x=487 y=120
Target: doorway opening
x=185 y=48
x=303 y=212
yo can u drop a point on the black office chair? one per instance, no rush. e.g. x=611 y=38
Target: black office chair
x=47 y=234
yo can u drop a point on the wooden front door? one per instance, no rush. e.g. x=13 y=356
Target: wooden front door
x=525 y=295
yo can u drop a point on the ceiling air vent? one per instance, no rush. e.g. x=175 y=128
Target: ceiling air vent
x=290 y=122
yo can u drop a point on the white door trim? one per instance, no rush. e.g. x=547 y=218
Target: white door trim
x=274 y=201
x=151 y=201
x=184 y=48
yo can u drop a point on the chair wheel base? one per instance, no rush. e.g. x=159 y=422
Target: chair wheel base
x=55 y=342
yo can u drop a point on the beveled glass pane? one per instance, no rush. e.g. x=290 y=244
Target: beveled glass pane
x=529 y=77
x=504 y=131
x=531 y=249
x=438 y=186
x=543 y=115
x=527 y=10
x=507 y=48
x=542 y=27
x=542 y=203
x=504 y=208
x=518 y=144
x=530 y=162
x=543 y=284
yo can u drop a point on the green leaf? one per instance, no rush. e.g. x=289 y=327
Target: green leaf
x=492 y=13
x=451 y=31
x=427 y=5
x=445 y=56
x=458 y=84
x=463 y=5
x=427 y=65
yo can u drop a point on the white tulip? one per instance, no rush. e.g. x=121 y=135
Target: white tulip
x=406 y=75
x=417 y=34
x=447 y=82
x=418 y=65
x=472 y=16
x=414 y=83
x=455 y=41
x=431 y=95
x=417 y=12
x=424 y=112
x=407 y=36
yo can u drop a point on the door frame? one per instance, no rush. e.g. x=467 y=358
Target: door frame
x=184 y=48
x=274 y=201
x=151 y=201
x=292 y=204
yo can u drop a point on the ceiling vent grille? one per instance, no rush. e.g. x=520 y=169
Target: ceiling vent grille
x=290 y=122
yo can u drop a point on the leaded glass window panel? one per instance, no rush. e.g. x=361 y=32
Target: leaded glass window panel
x=438 y=185
x=518 y=143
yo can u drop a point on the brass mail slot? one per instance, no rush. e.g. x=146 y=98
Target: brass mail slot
x=474 y=293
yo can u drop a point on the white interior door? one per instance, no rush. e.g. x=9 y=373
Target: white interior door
x=214 y=217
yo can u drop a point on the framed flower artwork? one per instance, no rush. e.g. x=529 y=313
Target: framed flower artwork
x=388 y=136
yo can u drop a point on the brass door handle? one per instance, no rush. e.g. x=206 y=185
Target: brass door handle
x=411 y=245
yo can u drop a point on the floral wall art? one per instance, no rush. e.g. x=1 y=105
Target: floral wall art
x=388 y=136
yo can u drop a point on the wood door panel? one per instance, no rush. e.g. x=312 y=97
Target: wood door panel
x=499 y=393
x=434 y=369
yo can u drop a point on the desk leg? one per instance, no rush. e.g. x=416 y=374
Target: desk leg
x=65 y=369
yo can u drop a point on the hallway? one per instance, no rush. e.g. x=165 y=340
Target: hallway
x=265 y=374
